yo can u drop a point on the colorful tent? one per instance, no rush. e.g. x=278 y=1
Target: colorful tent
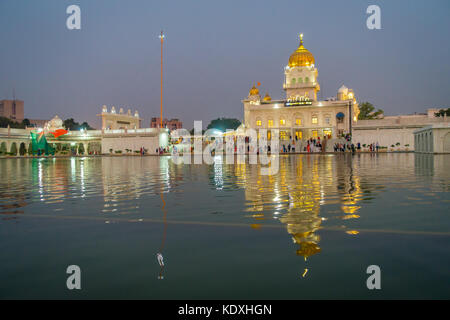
x=40 y=145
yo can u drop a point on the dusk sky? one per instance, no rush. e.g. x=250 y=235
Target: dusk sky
x=214 y=52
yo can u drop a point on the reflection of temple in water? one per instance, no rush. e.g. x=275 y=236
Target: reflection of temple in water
x=294 y=195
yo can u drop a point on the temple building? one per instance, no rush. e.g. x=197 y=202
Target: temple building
x=119 y=120
x=300 y=115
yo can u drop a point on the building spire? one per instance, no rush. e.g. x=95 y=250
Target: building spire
x=301 y=39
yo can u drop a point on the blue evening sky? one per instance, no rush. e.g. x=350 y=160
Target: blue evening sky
x=214 y=51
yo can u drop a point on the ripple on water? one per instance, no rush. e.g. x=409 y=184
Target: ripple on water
x=308 y=192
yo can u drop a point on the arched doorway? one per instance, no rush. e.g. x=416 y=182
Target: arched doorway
x=81 y=148
x=3 y=149
x=22 y=149
x=94 y=147
x=13 y=149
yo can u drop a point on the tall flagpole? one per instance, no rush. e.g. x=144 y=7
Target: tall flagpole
x=162 y=41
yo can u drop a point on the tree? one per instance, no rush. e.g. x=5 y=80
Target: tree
x=70 y=124
x=223 y=124
x=367 y=111
x=86 y=126
x=26 y=122
x=442 y=112
x=4 y=122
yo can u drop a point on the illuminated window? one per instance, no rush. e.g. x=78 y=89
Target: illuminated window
x=269 y=135
x=258 y=122
x=270 y=123
x=298 y=122
x=327 y=133
x=314 y=133
x=283 y=135
x=282 y=122
x=314 y=120
x=298 y=134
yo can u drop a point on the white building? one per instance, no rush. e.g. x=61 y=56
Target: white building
x=433 y=139
x=119 y=120
x=395 y=130
x=300 y=115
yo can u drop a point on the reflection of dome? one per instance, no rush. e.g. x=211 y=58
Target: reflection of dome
x=267 y=97
x=254 y=91
x=308 y=249
x=301 y=57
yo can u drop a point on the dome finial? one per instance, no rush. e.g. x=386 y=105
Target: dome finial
x=254 y=90
x=301 y=57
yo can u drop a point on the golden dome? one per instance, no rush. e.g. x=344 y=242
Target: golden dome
x=267 y=97
x=254 y=91
x=301 y=57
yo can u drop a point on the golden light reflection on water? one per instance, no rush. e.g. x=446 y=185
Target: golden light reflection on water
x=295 y=195
x=294 y=198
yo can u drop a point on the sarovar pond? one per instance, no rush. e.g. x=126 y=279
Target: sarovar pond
x=145 y=227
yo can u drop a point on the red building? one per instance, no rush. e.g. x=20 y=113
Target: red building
x=171 y=124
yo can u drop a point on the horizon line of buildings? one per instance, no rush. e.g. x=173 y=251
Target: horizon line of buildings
x=14 y=110
x=300 y=116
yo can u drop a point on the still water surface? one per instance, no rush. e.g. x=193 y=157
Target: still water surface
x=226 y=231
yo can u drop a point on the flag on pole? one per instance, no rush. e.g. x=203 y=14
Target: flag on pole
x=59 y=132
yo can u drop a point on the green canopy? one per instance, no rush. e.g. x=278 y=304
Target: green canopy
x=39 y=142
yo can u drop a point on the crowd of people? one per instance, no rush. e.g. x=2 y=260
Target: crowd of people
x=314 y=145
x=342 y=147
x=241 y=145
x=160 y=150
